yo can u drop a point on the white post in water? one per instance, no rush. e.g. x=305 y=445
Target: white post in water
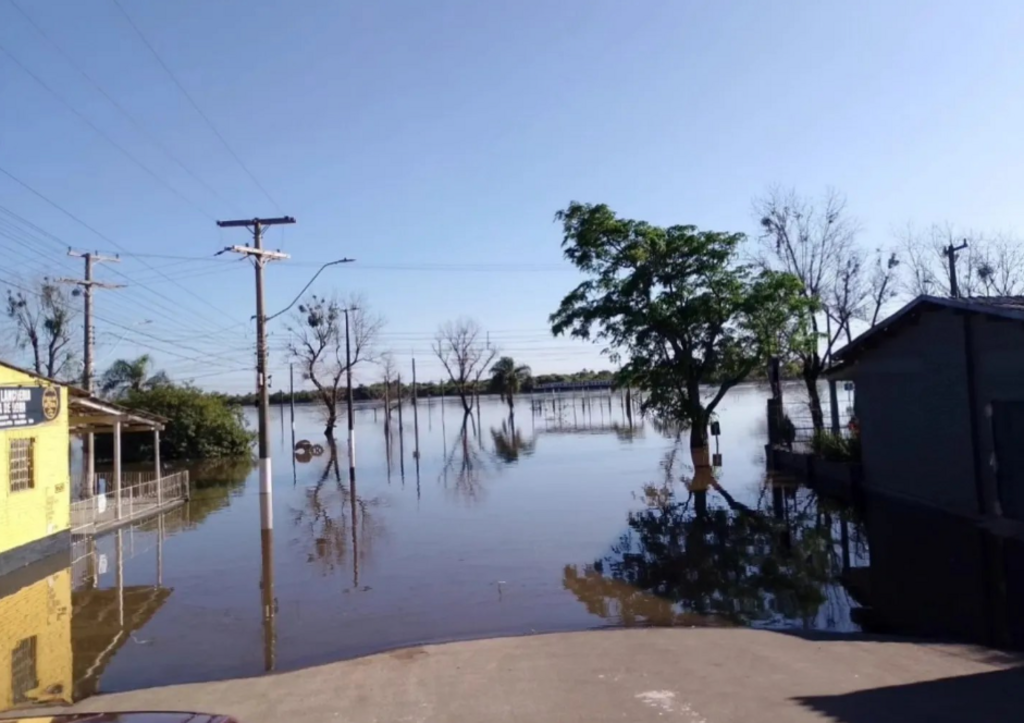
x=117 y=468
x=156 y=467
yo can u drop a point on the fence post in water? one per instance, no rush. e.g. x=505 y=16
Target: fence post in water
x=156 y=467
x=117 y=468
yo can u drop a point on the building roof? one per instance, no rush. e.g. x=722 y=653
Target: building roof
x=1002 y=307
x=88 y=413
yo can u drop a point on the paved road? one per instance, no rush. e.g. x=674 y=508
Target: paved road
x=691 y=676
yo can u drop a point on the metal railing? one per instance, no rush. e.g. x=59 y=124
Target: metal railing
x=141 y=494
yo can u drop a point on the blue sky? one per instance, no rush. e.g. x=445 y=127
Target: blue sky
x=420 y=136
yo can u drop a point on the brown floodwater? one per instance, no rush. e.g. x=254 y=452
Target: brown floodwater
x=573 y=517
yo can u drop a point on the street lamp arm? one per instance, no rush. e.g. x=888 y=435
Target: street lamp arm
x=310 y=283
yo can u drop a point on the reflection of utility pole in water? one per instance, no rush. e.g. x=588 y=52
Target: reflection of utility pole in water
x=401 y=434
x=160 y=551
x=119 y=561
x=416 y=429
x=355 y=533
x=267 y=598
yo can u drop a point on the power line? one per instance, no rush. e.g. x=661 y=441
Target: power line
x=195 y=105
x=128 y=154
x=139 y=126
x=109 y=240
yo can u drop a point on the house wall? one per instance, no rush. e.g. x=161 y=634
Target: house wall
x=913 y=408
x=999 y=374
x=35 y=522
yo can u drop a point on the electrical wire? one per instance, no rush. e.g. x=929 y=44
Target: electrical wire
x=195 y=105
x=131 y=118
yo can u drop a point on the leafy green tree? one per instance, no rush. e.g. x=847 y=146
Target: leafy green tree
x=509 y=378
x=199 y=425
x=675 y=308
x=131 y=375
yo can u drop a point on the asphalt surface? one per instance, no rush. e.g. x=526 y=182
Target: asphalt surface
x=689 y=675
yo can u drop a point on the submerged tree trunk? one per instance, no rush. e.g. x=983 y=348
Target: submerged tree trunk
x=810 y=374
x=332 y=420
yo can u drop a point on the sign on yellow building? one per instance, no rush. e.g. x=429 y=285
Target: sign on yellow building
x=35 y=494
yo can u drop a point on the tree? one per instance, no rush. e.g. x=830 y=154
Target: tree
x=200 y=425
x=816 y=244
x=43 y=325
x=318 y=343
x=990 y=265
x=131 y=375
x=465 y=356
x=509 y=378
x=675 y=306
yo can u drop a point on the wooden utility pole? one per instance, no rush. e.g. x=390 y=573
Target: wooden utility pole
x=950 y=254
x=415 y=416
x=85 y=286
x=261 y=258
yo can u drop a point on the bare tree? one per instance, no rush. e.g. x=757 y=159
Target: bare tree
x=815 y=241
x=318 y=343
x=991 y=265
x=465 y=355
x=883 y=284
x=43 y=325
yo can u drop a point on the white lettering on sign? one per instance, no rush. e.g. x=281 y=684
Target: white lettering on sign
x=15 y=395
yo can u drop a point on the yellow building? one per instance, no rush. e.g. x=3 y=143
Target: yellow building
x=35 y=635
x=35 y=494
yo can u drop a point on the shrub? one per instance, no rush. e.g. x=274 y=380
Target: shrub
x=836 y=447
x=199 y=425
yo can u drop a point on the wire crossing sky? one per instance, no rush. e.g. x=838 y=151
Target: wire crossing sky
x=433 y=143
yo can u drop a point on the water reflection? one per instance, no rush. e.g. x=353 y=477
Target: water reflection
x=509 y=442
x=463 y=472
x=706 y=558
x=358 y=566
x=336 y=524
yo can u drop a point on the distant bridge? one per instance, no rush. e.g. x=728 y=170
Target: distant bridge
x=573 y=386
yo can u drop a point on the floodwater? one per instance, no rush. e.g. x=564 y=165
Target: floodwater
x=576 y=517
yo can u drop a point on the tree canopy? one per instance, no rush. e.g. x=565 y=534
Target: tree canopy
x=131 y=375
x=675 y=307
x=200 y=425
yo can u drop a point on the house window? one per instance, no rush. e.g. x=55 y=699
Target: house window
x=23 y=670
x=21 y=462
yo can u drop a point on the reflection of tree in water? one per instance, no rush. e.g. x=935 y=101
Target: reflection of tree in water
x=509 y=443
x=213 y=483
x=338 y=526
x=462 y=474
x=691 y=559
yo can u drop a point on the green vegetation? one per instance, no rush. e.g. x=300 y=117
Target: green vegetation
x=133 y=375
x=676 y=307
x=509 y=378
x=199 y=425
x=836 y=447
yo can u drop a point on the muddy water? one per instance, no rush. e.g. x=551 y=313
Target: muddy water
x=573 y=518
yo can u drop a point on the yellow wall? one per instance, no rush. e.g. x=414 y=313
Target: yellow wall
x=43 y=610
x=30 y=515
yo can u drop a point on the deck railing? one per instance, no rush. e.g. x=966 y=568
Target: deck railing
x=141 y=494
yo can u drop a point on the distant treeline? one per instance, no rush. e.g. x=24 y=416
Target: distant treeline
x=371 y=392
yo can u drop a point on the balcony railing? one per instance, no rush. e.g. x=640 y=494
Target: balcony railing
x=140 y=495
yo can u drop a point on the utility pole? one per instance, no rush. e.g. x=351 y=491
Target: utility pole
x=950 y=254
x=86 y=286
x=348 y=397
x=415 y=415
x=261 y=258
